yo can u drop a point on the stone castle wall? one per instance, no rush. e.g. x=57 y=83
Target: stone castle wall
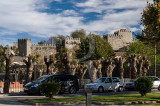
x=119 y=39
x=43 y=50
x=24 y=46
x=70 y=43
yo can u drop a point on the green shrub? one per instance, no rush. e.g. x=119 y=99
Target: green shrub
x=50 y=88
x=143 y=85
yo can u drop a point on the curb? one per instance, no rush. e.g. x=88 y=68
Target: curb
x=95 y=103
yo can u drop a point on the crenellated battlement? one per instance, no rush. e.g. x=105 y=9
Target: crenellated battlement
x=119 y=39
x=44 y=45
x=70 y=38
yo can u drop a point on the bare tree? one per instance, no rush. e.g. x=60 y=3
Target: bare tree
x=8 y=59
x=82 y=69
x=133 y=63
x=145 y=66
x=109 y=67
x=92 y=70
x=119 y=62
x=139 y=66
x=29 y=64
x=48 y=63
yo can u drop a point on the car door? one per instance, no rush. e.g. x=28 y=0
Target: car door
x=108 y=84
x=115 y=83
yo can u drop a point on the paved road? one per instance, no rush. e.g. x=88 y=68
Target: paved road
x=13 y=99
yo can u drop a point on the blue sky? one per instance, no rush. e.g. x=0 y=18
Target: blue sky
x=41 y=19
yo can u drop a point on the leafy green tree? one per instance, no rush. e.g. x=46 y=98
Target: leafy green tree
x=140 y=48
x=93 y=47
x=50 y=88
x=2 y=59
x=60 y=63
x=79 y=34
x=143 y=85
x=150 y=21
x=42 y=42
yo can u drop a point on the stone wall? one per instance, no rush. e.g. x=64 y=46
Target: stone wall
x=43 y=50
x=24 y=47
x=119 y=39
x=70 y=43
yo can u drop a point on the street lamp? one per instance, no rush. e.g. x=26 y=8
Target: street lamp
x=155 y=59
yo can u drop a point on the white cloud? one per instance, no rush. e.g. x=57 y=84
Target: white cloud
x=23 y=16
x=18 y=16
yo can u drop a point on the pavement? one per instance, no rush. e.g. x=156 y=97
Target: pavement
x=14 y=98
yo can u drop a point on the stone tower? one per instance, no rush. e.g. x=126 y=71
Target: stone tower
x=24 y=47
x=120 y=39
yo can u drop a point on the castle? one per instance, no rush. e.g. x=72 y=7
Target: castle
x=26 y=47
x=120 y=39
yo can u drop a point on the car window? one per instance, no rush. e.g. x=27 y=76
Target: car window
x=109 y=80
x=100 y=80
x=115 y=80
x=155 y=79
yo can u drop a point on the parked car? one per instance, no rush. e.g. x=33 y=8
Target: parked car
x=106 y=84
x=69 y=83
x=156 y=83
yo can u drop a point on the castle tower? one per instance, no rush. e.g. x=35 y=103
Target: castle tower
x=24 y=47
x=120 y=39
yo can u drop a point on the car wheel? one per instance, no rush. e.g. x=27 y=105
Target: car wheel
x=120 y=89
x=100 y=89
x=159 y=88
x=72 y=90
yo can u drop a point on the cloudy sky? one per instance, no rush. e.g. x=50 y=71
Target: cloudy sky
x=40 y=19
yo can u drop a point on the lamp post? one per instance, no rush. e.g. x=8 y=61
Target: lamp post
x=155 y=60
x=129 y=65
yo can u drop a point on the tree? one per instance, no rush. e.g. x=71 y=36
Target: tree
x=49 y=62
x=29 y=64
x=141 y=49
x=94 y=47
x=2 y=59
x=79 y=34
x=150 y=21
x=143 y=85
x=42 y=42
x=8 y=58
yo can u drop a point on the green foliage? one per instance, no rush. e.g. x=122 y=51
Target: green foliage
x=42 y=42
x=79 y=34
x=50 y=88
x=2 y=59
x=150 y=21
x=140 y=48
x=60 y=59
x=16 y=51
x=35 y=58
x=143 y=85
x=94 y=47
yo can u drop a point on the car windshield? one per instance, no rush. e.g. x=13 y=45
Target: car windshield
x=100 y=80
x=41 y=78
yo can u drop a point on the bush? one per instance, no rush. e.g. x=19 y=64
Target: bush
x=50 y=88
x=143 y=85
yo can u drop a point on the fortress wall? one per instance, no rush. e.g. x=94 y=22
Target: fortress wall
x=119 y=39
x=70 y=43
x=24 y=46
x=43 y=50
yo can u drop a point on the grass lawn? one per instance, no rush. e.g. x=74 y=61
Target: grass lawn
x=107 y=98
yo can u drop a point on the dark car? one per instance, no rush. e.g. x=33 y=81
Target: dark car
x=69 y=83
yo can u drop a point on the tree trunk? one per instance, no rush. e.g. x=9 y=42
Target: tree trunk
x=7 y=77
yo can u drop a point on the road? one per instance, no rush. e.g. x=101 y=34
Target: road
x=13 y=99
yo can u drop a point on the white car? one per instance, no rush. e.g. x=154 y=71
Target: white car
x=106 y=84
x=156 y=83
